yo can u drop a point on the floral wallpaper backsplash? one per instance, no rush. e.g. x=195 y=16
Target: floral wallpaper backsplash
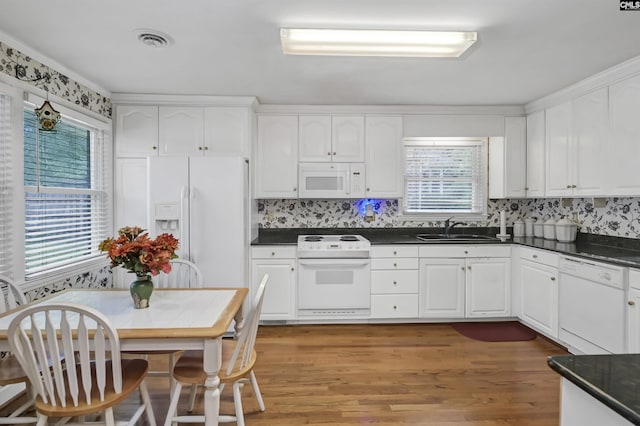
x=18 y=65
x=618 y=217
x=99 y=278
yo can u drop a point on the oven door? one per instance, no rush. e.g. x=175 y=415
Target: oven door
x=334 y=284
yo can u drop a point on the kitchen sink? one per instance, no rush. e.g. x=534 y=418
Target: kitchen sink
x=454 y=237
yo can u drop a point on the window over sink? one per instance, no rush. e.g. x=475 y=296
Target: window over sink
x=445 y=177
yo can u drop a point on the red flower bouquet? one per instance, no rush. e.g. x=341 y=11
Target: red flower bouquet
x=136 y=252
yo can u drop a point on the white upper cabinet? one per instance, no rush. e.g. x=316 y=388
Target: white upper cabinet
x=558 y=151
x=181 y=130
x=590 y=130
x=624 y=143
x=277 y=157
x=331 y=138
x=136 y=133
x=347 y=138
x=226 y=130
x=576 y=146
x=508 y=161
x=535 y=154
x=384 y=162
x=315 y=138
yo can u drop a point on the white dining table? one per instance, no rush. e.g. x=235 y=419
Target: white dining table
x=177 y=319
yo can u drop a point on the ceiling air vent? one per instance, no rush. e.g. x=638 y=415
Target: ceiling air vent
x=153 y=38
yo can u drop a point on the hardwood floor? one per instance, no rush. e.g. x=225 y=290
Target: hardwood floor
x=423 y=374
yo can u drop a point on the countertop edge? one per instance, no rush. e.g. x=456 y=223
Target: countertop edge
x=594 y=391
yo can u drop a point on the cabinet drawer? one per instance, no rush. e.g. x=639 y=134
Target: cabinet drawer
x=476 y=250
x=394 y=251
x=273 y=252
x=394 y=306
x=389 y=282
x=634 y=278
x=539 y=256
x=400 y=263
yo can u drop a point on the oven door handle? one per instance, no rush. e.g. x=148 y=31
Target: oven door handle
x=323 y=264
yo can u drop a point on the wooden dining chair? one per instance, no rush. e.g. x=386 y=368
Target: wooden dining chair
x=238 y=359
x=184 y=274
x=97 y=381
x=10 y=370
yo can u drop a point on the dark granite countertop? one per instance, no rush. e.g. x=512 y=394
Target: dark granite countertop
x=616 y=250
x=613 y=380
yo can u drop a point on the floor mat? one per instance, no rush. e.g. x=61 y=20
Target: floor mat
x=504 y=331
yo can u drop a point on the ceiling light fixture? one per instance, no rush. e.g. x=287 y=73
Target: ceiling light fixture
x=331 y=42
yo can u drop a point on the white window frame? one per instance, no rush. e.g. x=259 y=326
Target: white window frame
x=481 y=179
x=78 y=118
x=11 y=162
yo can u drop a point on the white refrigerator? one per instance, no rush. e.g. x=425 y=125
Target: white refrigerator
x=204 y=202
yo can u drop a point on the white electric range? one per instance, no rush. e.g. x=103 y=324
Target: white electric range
x=334 y=275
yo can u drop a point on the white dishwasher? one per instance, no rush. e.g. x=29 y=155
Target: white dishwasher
x=591 y=306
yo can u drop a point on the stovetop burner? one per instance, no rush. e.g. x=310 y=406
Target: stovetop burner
x=333 y=246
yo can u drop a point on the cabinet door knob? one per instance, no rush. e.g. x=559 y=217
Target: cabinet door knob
x=568 y=186
x=469 y=267
x=154 y=147
x=631 y=303
x=368 y=189
x=206 y=148
x=395 y=283
x=535 y=256
x=273 y=253
x=334 y=153
x=293 y=269
x=395 y=307
x=395 y=252
x=526 y=188
x=328 y=153
x=295 y=189
x=395 y=265
x=466 y=252
x=199 y=148
x=462 y=268
x=574 y=186
x=553 y=278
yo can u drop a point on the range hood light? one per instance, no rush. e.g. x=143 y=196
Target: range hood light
x=430 y=44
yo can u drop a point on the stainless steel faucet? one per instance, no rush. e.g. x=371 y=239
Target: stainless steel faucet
x=448 y=225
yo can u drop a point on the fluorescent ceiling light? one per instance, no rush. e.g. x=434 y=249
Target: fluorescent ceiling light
x=429 y=44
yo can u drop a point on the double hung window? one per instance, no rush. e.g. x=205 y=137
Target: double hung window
x=67 y=193
x=445 y=177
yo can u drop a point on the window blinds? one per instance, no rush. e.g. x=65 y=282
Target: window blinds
x=445 y=177
x=6 y=186
x=66 y=176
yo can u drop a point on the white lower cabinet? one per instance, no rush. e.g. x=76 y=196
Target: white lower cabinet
x=539 y=291
x=633 y=312
x=459 y=281
x=442 y=288
x=280 y=293
x=488 y=287
x=536 y=280
x=394 y=282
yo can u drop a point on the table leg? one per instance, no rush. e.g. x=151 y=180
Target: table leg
x=212 y=359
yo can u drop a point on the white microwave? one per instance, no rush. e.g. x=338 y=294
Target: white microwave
x=331 y=180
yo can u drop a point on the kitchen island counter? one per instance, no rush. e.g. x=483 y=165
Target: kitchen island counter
x=613 y=380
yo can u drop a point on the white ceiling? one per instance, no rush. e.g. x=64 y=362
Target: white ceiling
x=527 y=48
